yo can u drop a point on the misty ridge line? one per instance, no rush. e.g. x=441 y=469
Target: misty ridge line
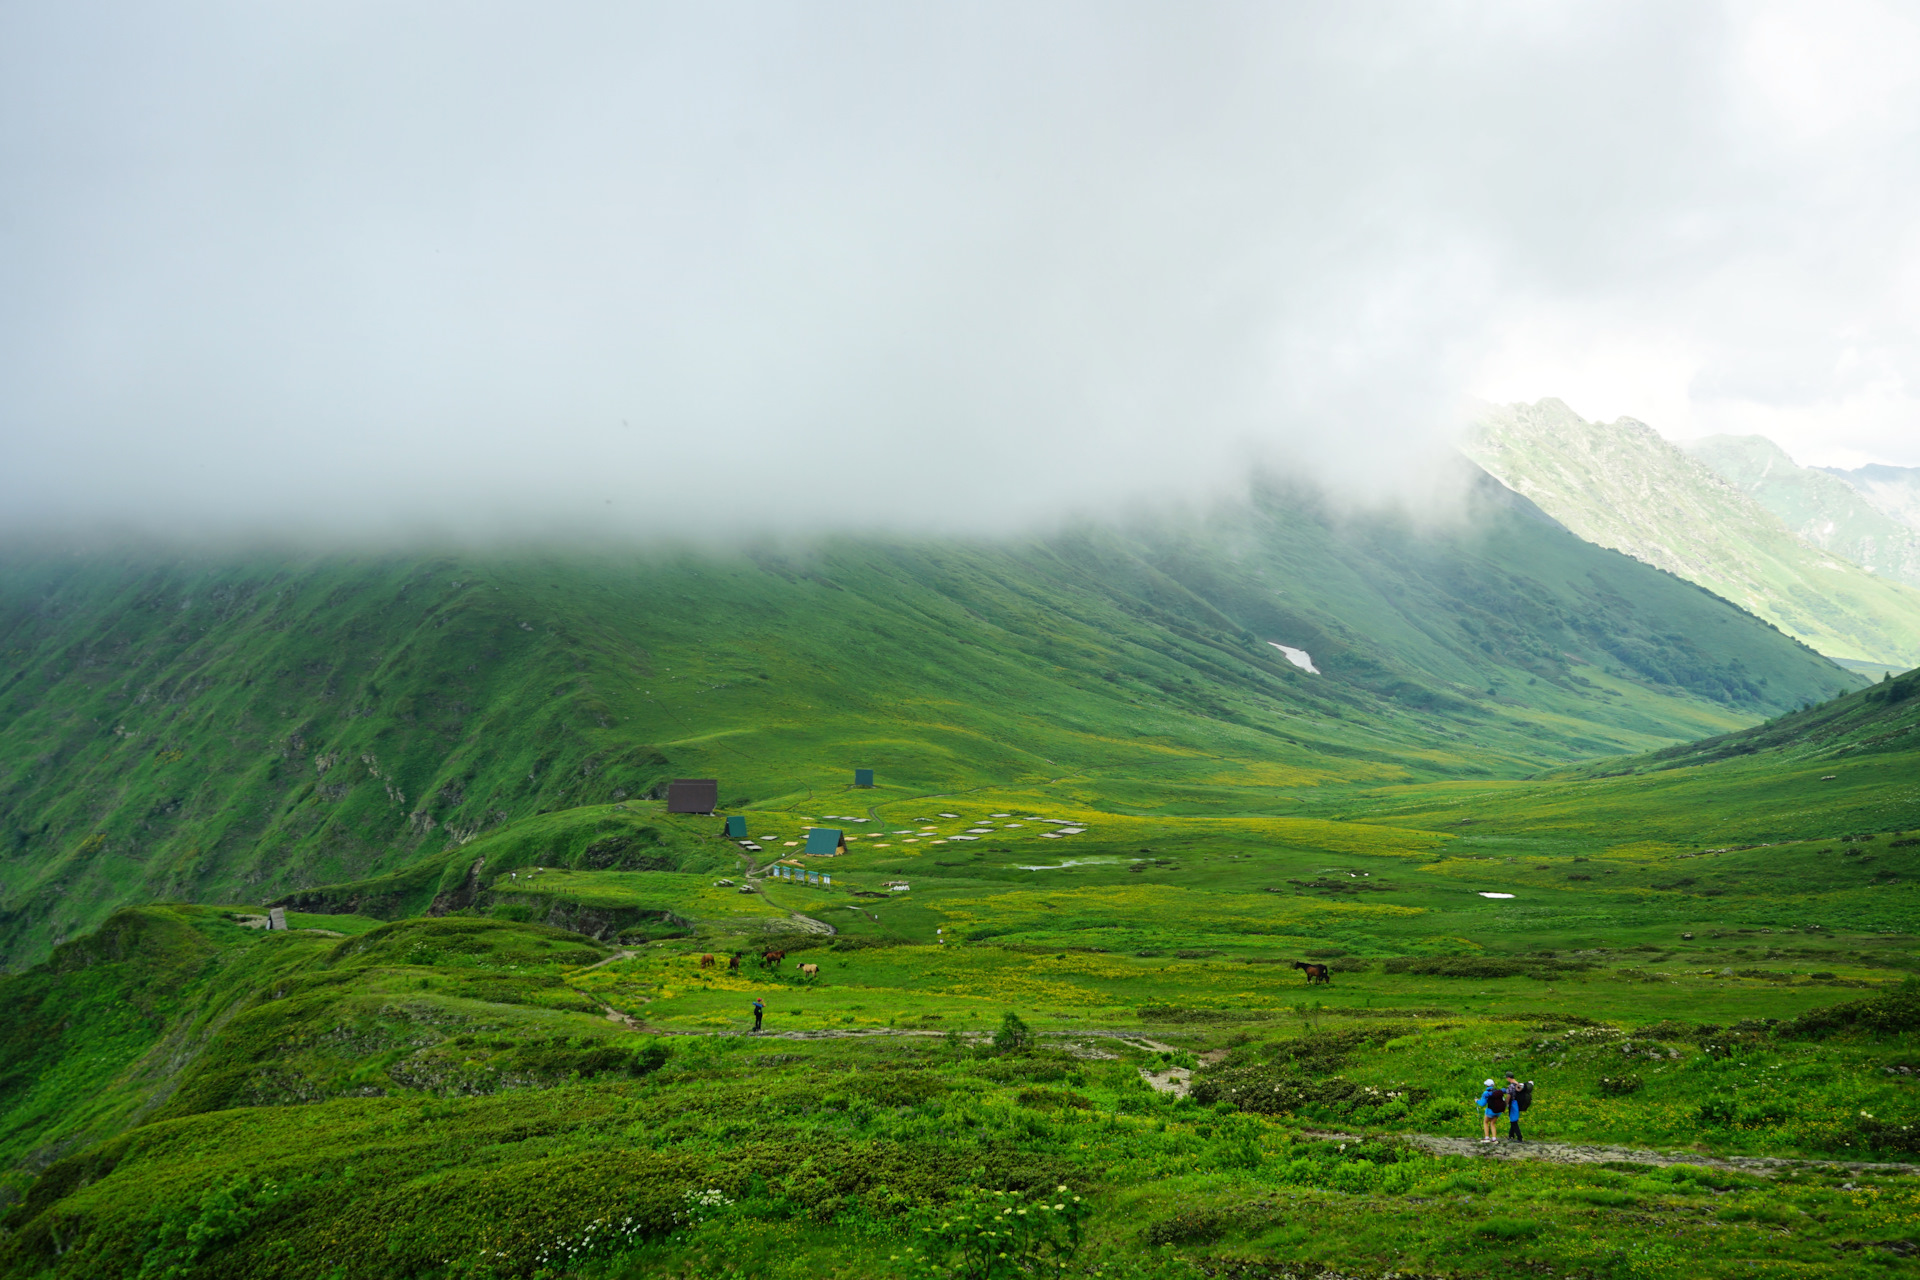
x=1441 y=496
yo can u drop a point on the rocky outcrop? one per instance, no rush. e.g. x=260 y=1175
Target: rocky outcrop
x=464 y=895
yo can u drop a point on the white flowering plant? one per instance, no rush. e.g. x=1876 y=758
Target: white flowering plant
x=992 y=1235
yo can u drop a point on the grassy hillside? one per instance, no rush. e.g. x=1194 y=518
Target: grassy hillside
x=237 y=728
x=1621 y=485
x=1706 y=951
x=1820 y=508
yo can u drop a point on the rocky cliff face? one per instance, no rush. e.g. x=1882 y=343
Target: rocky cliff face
x=1622 y=485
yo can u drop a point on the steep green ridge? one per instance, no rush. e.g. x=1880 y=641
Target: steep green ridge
x=1820 y=508
x=1884 y=718
x=1894 y=491
x=221 y=728
x=1621 y=485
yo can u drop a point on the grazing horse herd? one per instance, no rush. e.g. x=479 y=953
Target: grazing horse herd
x=733 y=961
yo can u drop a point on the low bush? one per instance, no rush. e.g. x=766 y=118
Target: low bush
x=1266 y=1091
x=1482 y=966
x=1320 y=1052
x=1895 y=1013
x=1190 y=1226
x=1177 y=1014
x=1509 y=1229
x=1053 y=1100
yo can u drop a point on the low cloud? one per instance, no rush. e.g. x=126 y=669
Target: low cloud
x=364 y=271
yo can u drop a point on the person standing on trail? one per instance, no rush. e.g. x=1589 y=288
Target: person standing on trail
x=1491 y=1103
x=1518 y=1096
x=760 y=1011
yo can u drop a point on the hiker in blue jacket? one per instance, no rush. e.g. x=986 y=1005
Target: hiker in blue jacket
x=1491 y=1103
x=1515 y=1105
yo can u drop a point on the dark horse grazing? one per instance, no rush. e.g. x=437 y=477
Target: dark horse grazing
x=772 y=958
x=1315 y=972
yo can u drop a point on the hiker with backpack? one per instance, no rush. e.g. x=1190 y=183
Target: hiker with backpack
x=1519 y=1098
x=1492 y=1101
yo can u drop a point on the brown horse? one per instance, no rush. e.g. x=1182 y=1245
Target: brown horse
x=1315 y=972
x=706 y=962
x=733 y=963
x=772 y=959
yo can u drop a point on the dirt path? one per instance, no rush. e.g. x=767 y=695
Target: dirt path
x=1580 y=1153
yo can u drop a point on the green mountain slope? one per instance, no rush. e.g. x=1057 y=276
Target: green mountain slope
x=1621 y=485
x=1795 y=790
x=1894 y=491
x=237 y=728
x=1820 y=508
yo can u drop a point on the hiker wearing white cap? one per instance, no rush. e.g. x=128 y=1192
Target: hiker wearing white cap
x=1492 y=1103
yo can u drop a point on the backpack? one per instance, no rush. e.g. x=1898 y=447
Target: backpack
x=1496 y=1100
x=1524 y=1095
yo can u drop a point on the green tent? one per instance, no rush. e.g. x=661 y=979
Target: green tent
x=822 y=841
x=737 y=827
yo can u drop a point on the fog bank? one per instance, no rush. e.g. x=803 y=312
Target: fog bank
x=367 y=270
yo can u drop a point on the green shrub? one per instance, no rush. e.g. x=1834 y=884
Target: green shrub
x=1053 y=1100
x=1014 y=1035
x=1320 y=1052
x=1618 y=1086
x=1038 y=1067
x=1268 y=1091
x=1190 y=1226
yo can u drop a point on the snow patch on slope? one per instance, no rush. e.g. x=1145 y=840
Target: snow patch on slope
x=1298 y=657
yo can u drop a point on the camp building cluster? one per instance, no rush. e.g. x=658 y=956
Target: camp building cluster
x=701 y=796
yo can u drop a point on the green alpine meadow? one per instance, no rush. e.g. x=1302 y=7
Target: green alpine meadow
x=988 y=641
x=352 y=932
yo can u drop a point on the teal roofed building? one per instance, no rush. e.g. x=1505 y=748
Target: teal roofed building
x=737 y=827
x=823 y=842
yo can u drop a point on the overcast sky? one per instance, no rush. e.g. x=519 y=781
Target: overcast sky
x=369 y=268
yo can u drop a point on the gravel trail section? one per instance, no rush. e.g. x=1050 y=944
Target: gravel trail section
x=1576 y=1153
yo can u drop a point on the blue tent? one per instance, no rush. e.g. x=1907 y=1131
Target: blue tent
x=737 y=827
x=822 y=841
x=863 y=777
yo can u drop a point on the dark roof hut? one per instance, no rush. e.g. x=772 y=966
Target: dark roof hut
x=693 y=795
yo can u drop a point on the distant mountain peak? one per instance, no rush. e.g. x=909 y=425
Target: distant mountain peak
x=1824 y=509
x=1623 y=485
